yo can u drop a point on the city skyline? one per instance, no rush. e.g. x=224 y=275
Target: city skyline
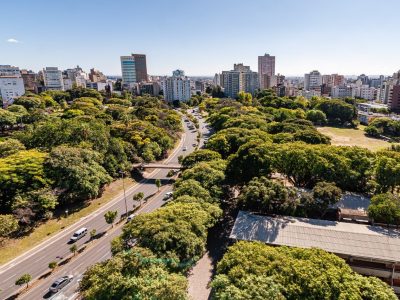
x=345 y=38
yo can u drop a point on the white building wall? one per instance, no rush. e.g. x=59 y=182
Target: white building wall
x=11 y=88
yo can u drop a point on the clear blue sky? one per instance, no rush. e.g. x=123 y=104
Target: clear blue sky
x=203 y=36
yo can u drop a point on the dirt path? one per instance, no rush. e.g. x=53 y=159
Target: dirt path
x=200 y=277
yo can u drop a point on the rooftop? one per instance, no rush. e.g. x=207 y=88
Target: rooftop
x=363 y=241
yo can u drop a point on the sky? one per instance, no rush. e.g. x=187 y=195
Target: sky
x=203 y=37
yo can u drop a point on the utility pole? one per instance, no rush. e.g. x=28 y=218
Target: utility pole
x=123 y=186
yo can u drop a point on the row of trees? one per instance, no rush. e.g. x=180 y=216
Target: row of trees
x=253 y=270
x=64 y=147
x=167 y=241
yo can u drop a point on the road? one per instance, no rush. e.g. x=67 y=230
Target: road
x=35 y=261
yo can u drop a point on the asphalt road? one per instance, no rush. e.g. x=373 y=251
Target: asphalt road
x=35 y=261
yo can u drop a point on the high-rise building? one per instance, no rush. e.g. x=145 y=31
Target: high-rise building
x=313 y=81
x=134 y=69
x=364 y=79
x=140 y=67
x=394 y=102
x=11 y=84
x=266 y=70
x=53 y=79
x=241 y=78
x=176 y=87
x=128 y=71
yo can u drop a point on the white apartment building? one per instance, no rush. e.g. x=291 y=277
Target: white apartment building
x=312 y=81
x=367 y=92
x=176 y=87
x=11 y=84
x=77 y=76
x=53 y=79
x=344 y=91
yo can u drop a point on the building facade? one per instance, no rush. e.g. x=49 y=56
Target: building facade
x=177 y=87
x=241 y=78
x=266 y=70
x=53 y=79
x=134 y=69
x=312 y=81
x=11 y=84
x=140 y=67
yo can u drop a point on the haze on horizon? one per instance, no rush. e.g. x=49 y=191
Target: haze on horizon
x=202 y=38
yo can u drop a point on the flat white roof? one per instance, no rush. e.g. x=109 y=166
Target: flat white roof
x=364 y=241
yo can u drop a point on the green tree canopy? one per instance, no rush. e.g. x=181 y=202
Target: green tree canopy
x=292 y=273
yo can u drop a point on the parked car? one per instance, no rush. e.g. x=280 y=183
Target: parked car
x=168 y=195
x=60 y=283
x=80 y=233
x=130 y=217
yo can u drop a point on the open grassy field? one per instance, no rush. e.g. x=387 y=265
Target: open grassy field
x=353 y=137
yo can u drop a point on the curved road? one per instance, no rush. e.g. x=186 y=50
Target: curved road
x=35 y=261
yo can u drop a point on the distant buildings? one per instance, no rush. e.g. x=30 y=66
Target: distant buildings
x=266 y=71
x=11 y=84
x=241 y=78
x=31 y=81
x=134 y=69
x=96 y=76
x=53 y=79
x=313 y=81
x=176 y=87
x=149 y=88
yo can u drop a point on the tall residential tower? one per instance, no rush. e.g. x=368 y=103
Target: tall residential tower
x=134 y=69
x=266 y=70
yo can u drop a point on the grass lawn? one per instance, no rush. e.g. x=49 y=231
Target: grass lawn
x=353 y=137
x=12 y=248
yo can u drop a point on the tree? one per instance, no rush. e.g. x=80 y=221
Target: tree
x=24 y=279
x=138 y=197
x=93 y=233
x=7 y=119
x=137 y=274
x=325 y=194
x=385 y=208
x=77 y=172
x=52 y=265
x=158 y=184
x=179 y=229
x=198 y=156
x=387 y=171
x=8 y=225
x=10 y=146
x=252 y=159
x=191 y=187
x=20 y=172
x=73 y=249
x=291 y=273
x=264 y=195
x=110 y=217
x=337 y=111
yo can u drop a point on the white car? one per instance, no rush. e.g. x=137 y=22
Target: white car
x=60 y=283
x=184 y=148
x=168 y=195
x=78 y=234
x=130 y=217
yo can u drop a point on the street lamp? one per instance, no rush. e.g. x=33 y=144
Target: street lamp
x=66 y=213
x=123 y=186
